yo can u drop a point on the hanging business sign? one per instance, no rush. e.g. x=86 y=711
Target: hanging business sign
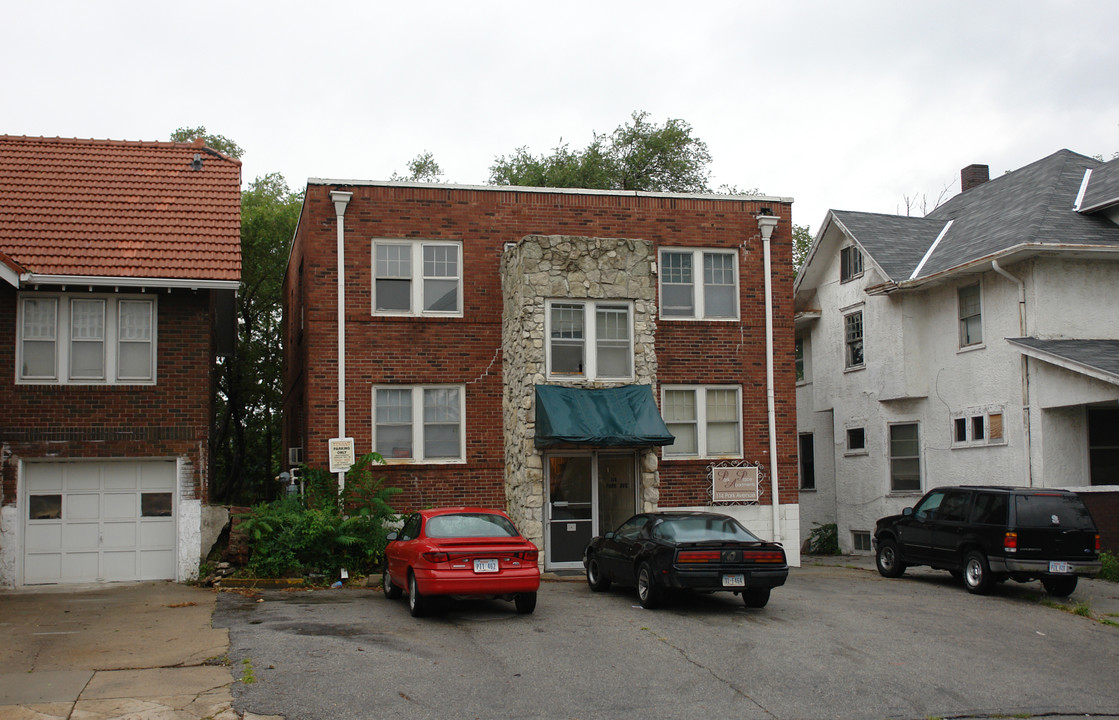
x=734 y=484
x=341 y=453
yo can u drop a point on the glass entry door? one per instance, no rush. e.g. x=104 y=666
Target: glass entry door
x=588 y=494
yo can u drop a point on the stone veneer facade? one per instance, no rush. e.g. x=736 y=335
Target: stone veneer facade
x=550 y=267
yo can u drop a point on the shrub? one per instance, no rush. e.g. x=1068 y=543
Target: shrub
x=823 y=539
x=1110 y=569
x=322 y=532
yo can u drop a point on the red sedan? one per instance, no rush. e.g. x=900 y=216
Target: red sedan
x=463 y=552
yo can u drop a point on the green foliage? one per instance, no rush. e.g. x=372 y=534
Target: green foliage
x=421 y=168
x=823 y=540
x=294 y=536
x=218 y=142
x=1110 y=569
x=638 y=155
x=802 y=243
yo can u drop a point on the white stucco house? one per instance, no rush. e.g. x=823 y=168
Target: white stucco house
x=978 y=345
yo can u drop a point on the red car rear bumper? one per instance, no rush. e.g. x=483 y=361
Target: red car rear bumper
x=509 y=581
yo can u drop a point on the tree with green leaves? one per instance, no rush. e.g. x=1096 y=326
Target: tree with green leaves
x=218 y=142
x=802 y=243
x=421 y=168
x=638 y=155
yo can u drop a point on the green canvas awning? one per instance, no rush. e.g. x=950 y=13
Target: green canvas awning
x=604 y=417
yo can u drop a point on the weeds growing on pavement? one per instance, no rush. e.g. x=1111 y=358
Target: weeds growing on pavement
x=247 y=675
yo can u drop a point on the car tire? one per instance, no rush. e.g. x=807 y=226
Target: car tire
x=417 y=603
x=648 y=592
x=755 y=597
x=1060 y=586
x=392 y=592
x=888 y=560
x=525 y=602
x=595 y=579
x=978 y=579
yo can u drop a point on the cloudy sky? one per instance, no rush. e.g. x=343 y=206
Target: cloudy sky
x=853 y=105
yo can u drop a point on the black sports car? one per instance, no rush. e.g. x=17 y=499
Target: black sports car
x=685 y=550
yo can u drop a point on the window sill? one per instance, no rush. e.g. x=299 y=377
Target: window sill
x=856 y=453
x=974 y=446
x=972 y=348
x=680 y=318
x=413 y=463
x=854 y=368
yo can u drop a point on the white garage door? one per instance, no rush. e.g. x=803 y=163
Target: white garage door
x=99 y=521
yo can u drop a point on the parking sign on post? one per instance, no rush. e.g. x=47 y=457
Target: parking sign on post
x=341 y=452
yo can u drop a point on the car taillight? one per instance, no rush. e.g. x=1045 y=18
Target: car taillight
x=436 y=557
x=699 y=556
x=529 y=555
x=1010 y=542
x=1097 y=542
x=764 y=556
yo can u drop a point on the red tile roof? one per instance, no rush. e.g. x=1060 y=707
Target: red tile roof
x=107 y=208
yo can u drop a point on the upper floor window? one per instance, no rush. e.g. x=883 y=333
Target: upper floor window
x=685 y=293
x=589 y=340
x=905 y=458
x=853 y=339
x=977 y=427
x=419 y=423
x=798 y=350
x=417 y=277
x=971 y=317
x=706 y=421
x=86 y=339
x=850 y=263
x=856 y=441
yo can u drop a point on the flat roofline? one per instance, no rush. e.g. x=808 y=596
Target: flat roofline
x=561 y=191
x=32 y=279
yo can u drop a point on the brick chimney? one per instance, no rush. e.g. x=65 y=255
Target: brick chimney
x=974 y=175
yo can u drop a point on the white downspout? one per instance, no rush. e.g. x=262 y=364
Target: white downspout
x=766 y=223
x=1025 y=370
x=341 y=200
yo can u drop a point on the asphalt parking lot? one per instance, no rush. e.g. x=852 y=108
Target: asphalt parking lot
x=834 y=642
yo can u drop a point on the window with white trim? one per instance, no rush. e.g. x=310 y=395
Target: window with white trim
x=705 y=420
x=417 y=277
x=856 y=441
x=905 y=458
x=413 y=423
x=977 y=427
x=850 y=263
x=853 y=340
x=971 y=315
x=589 y=340
x=686 y=293
x=69 y=338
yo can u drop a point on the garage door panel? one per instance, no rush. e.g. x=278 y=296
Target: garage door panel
x=121 y=476
x=120 y=565
x=80 y=567
x=119 y=535
x=83 y=506
x=81 y=536
x=157 y=534
x=42 y=568
x=121 y=506
x=82 y=477
x=44 y=536
x=44 y=477
x=157 y=476
x=156 y=564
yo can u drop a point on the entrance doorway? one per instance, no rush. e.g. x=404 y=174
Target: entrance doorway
x=589 y=493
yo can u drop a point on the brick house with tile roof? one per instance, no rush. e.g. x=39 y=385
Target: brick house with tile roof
x=119 y=266
x=572 y=356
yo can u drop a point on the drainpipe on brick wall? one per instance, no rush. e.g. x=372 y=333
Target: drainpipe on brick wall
x=766 y=223
x=1025 y=369
x=341 y=200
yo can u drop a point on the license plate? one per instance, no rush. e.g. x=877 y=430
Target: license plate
x=1056 y=566
x=734 y=581
x=485 y=566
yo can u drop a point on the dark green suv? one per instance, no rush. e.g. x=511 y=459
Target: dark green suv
x=985 y=535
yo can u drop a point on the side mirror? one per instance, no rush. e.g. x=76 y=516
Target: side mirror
x=391 y=536
x=608 y=536
x=908 y=512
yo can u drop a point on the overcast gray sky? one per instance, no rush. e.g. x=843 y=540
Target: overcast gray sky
x=851 y=105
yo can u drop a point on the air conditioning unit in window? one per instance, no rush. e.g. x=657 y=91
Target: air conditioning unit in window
x=295 y=456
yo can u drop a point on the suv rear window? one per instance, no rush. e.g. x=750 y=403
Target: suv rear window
x=989 y=509
x=1043 y=511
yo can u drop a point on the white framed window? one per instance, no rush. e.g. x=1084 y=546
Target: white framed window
x=856 y=441
x=420 y=423
x=417 y=277
x=71 y=338
x=971 y=315
x=850 y=263
x=698 y=284
x=853 y=340
x=705 y=420
x=589 y=340
x=905 y=457
x=978 y=427
x=860 y=541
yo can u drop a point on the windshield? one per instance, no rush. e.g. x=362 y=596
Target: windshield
x=468 y=525
x=703 y=528
x=1043 y=511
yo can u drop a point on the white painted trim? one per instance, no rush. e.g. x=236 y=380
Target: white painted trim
x=129 y=282
x=1083 y=189
x=929 y=252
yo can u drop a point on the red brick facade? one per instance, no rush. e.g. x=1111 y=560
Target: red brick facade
x=466 y=350
x=169 y=419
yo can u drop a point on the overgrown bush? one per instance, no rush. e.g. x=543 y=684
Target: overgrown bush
x=322 y=532
x=823 y=539
x=1110 y=569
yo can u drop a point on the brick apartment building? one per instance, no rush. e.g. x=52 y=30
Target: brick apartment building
x=572 y=356
x=116 y=261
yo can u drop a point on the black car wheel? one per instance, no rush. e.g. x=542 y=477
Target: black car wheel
x=392 y=592
x=417 y=604
x=755 y=597
x=525 y=602
x=648 y=592
x=888 y=560
x=977 y=573
x=595 y=578
x=1059 y=586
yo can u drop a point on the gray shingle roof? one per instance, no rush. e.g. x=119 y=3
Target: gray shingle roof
x=1099 y=355
x=1103 y=187
x=896 y=242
